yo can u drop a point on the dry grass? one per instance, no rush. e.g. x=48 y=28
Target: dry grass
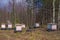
x=38 y=34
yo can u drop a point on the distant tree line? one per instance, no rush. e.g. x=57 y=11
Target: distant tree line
x=28 y=13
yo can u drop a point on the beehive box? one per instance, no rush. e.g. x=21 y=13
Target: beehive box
x=36 y=25
x=9 y=26
x=3 y=26
x=18 y=27
x=52 y=26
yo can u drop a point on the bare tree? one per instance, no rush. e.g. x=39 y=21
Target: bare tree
x=54 y=11
x=59 y=16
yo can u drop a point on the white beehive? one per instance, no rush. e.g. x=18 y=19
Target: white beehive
x=3 y=26
x=9 y=25
x=18 y=27
x=54 y=27
x=37 y=25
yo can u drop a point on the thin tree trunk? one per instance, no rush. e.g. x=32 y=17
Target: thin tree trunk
x=54 y=11
x=59 y=16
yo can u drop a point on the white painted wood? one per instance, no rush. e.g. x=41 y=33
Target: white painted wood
x=54 y=27
x=9 y=25
x=37 y=25
x=18 y=27
x=3 y=26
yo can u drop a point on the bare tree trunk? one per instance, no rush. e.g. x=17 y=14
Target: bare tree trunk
x=54 y=11
x=59 y=16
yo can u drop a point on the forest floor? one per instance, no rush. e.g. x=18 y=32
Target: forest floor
x=35 y=34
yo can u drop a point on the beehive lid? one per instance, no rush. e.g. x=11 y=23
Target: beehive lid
x=18 y=24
